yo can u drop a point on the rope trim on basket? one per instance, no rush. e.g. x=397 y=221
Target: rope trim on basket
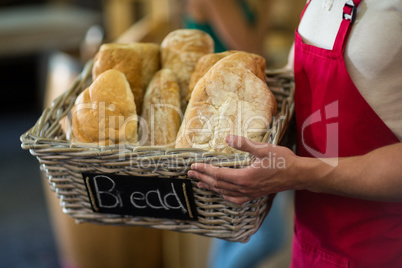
x=190 y=213
x=91 y=194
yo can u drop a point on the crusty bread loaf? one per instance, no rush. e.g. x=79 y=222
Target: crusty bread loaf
x=231 y=98
x=209 y=60
x=161 y=110
x=105 y=112
x=180 y=51
x=137 y=61
x=202 y=67
x=150 y=61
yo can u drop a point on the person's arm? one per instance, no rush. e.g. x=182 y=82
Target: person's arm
x=291 y=58
x=375 y=176
x=229 y=21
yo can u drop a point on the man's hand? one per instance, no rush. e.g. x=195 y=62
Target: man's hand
x=269 y=173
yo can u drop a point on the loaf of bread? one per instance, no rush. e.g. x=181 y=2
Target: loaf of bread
x=209 y=60
x=231 y=98
x=137 y=61
x=105 y=112
x=202 y=67
x=180 y=51
x=161 y=110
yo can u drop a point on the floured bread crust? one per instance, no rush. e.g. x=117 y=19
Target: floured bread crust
x=137 y=61
x=180 y=52
x=161 y=110
x=105 y=112
x=202 y=67
x=231 y=98
x=209 y=60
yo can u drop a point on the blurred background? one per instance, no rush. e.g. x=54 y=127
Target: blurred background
x=43 y=46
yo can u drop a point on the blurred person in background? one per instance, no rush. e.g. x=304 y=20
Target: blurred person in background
x=240 y=25
x=233 y=24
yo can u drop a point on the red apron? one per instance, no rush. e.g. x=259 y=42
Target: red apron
x=333 y=120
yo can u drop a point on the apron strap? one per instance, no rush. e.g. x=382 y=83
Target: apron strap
x=348 y=18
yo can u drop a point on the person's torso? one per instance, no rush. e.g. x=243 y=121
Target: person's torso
x=197 y=21
x=335 y=118
x=373 y=54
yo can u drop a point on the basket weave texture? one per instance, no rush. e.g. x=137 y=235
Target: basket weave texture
x=64 y=162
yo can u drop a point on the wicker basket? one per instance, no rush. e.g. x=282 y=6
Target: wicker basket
x=63 y=163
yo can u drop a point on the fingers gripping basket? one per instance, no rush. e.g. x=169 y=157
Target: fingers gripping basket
x=64 y=164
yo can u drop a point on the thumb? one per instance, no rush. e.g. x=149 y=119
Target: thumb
x=246 y=145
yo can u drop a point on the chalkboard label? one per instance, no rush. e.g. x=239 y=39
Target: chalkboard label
x=169 y=198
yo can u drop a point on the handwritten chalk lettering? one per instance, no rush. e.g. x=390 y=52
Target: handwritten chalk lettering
x=109 y=193
x=174 y=194
x=139 y=196
x=134 y=196
x=162 y=203
x=158 y=195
